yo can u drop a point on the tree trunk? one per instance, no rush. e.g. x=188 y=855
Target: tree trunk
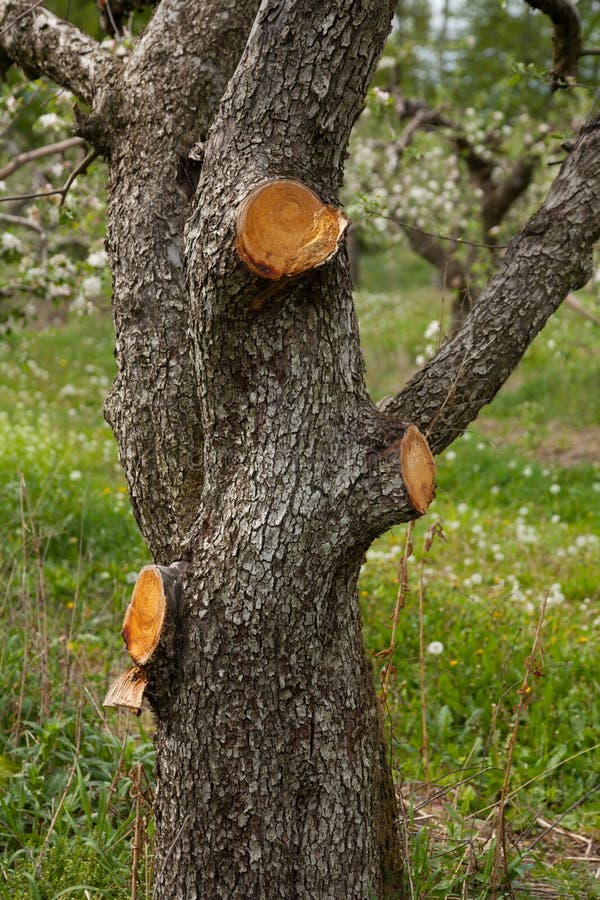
x=272 y=737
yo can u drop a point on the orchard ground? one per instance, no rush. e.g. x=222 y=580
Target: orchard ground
x=518 y=503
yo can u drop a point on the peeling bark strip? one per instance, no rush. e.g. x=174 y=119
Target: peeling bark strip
x=156 y=598
x=284 y=228
x=418 y=468
x=127 y=691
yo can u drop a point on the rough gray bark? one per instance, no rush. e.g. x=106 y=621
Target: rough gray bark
x=251 y=448
x=41 y=44
x=169 y=96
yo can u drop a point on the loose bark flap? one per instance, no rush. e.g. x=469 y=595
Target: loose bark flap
x=127 y=690
x=284 y=228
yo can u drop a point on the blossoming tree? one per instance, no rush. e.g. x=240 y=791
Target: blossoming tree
x=259 y=470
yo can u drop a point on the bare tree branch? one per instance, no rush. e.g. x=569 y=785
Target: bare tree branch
x=42 y=44
x=567 y=38
x=38 y=153
x=550 y=256
x=22 y=222
x=64 y=190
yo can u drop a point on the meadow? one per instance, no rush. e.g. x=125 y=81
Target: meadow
x=486 y=658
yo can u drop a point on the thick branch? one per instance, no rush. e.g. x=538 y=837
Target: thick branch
x=172 y=87
x=550 y=256
x=567 y=37
x=42 y=44
x=299 y=89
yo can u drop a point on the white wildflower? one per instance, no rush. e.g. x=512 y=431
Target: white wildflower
x=435 y=648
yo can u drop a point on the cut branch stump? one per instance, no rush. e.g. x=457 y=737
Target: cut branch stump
x=154 y=602
x=150 y=621
x=418 y=468
x=284 y=229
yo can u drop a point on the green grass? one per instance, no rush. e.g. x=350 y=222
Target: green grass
x=518 y=523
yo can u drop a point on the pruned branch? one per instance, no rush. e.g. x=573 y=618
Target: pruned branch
x=42 y=44
x=567 y=38
x=548 y=258
x=284 y=229
x=38 y=153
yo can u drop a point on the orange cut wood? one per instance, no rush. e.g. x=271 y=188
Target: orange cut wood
x=145 y=615
x=418 y=468
x=284 y=228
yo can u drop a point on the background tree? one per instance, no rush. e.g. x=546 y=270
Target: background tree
x=253 y=453
x=470 y=143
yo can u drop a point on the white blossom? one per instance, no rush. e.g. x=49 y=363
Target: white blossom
x=91 y=285
x=97 y=259
x=11 y=241
x=49 y=121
